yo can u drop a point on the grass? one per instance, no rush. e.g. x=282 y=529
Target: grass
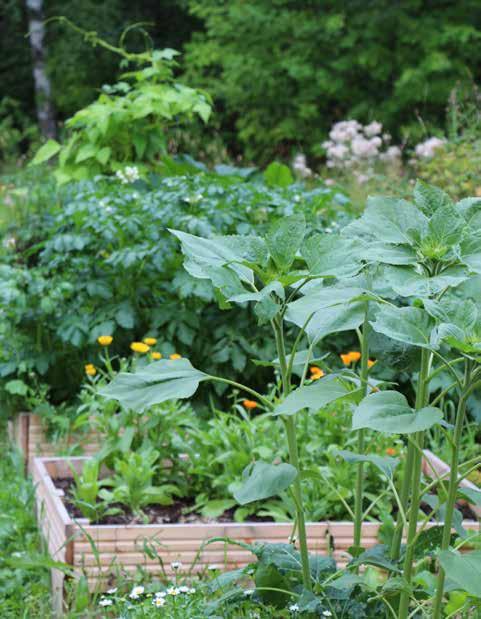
x=24 y=581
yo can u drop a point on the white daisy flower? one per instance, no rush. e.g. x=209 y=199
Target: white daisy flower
x=176 y=565
x=191 y=591
x=326 y=613
x=112 y=591
x=184 y=589
x=158 y=602
x=173 y=591
x=160 y=594
x=294 y=608
x=212 y=567
x=105 y=602
x=136 y=592
x=248 y=592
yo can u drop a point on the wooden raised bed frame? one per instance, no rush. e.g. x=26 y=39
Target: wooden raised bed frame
x=70 y=541
x=27 y=433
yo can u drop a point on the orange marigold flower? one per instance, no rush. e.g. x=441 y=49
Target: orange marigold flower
x=150 y=341
x=105 y=340
x=346 y=359
x=370 y=363
x=354 y=355
x=156 y=355
x=140 y=347
x=316 y=372
x=90 y=369
x=390 y=451
x=175 y=356
x=250 y=404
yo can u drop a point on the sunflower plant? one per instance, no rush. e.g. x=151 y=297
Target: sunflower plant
x=401 y=272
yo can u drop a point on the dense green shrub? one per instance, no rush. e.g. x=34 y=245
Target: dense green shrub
x=282 y=72
x=101 y=261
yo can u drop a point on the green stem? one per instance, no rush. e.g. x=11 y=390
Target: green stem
x=413 y=477
x=452 y=488
x=359 y=494
x=290 y=426
x=410 y=459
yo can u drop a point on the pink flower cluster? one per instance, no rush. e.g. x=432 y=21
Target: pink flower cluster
x=356 y=146
x=428 y=148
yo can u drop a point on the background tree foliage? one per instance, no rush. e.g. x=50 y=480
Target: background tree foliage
x=280 y=71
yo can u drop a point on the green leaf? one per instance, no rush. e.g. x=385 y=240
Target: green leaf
x=16 y=387
x=386 y=253
x=215 y=252
x=379 y=556
x=390 y=413
x=410 y=325
x=389 y=220
x=278 y=175
x=409 y=283
x=103 y=155
x=463 y=569
x=331 y=255
x=262 y=480
x=314 y=396
x=446 y=226
x=471 y=252
x=216 y=507
x=429 y=198
x=46 y=152
x=157 y=382
x=284 y=239
x=86 y=152
x=385 y=464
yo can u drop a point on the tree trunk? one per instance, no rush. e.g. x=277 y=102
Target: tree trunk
x=43 y=93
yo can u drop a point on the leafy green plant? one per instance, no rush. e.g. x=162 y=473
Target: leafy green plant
x=132 y=482
x=418 y=252
x=127 y=125
x=87 y=494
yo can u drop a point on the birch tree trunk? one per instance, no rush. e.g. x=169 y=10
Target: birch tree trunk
x=43 y=92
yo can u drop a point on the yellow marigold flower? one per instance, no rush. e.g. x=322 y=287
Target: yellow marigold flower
x=150 y=341
x=355 y=356
x=175 y=356
x=390 y=451
x=105 y=340
x=139 y=347
x=156 y=355
x=346 y=359
x=250 y=404
x=90 y=369
x=370 y=363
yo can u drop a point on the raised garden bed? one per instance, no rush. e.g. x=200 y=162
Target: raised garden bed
x=71 y=540
x=27 y=433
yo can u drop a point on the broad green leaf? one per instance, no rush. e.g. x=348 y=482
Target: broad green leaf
x=331 y=255
x=216 y=507
x=314 y=396
x=86 y=152
x=46 y=152
x=262 y=480
x=157 y=382
x=386 y=253
x=249 y=248
x=446 y=226
x=460 y=312
x=284 y=239
x=409 y=283
x=471 y=252
x=385 y=464
x=410 y=325
x=212 y=253
x=278 y=175
x=103 y=155
x=389 y=220
x=390 y=413
x=463 y=569
x=267 y=306
x=16 y=387
x=429 y=198
x=379 y=556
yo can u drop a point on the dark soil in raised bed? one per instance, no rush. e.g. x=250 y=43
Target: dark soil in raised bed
x=180 y=512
